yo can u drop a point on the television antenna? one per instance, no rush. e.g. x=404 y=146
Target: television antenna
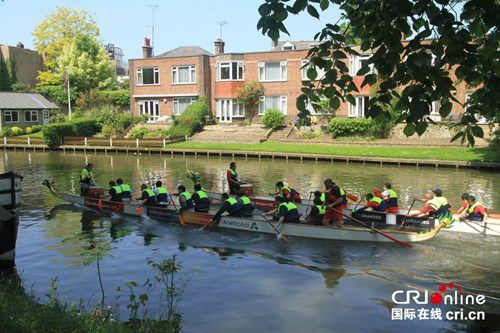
x=221 y=24
x=153 y=7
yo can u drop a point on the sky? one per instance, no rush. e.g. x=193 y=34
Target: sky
x=125 y=23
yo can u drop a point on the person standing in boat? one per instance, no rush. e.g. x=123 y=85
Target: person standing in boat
x=148 y=197
x=115 y=192
x=389 y=196
x=374 y=203
x=185 y=199
x=126 y=190
x=335 y=202
x=161 y=193
x=475 y=211
x=231 y=206
x=246 y=204
x=86 y=179
x=200 y=200
x=232 y=178
x=285 y=191
x=285 y=212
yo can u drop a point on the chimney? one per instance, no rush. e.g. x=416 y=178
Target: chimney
x=147 y=49
x=219 y=46
x=274 y=44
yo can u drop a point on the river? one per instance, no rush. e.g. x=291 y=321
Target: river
x=244 y=282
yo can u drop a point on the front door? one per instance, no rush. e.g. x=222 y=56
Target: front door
x=46 y=117
x=225 y=107
x=150 y=108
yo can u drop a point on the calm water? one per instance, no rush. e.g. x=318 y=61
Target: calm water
x=248 y=283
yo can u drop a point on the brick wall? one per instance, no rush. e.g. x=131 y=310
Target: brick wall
x=28 y=63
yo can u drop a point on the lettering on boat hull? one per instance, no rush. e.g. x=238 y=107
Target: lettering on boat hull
x=415 y=222
x=160 y=213
x=371 y=217
x=239 y=224
x=109 y=206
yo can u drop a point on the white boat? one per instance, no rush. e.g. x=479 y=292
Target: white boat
x=256 y=223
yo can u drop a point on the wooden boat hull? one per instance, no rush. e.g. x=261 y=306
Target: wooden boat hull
x=255 y=224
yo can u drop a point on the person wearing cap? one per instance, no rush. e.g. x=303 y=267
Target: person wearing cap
x=436 y=206
x=475 y=211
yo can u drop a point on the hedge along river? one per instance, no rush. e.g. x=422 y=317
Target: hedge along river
x=245 y=282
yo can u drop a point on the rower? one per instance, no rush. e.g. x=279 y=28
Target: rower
x=285 y=212
x=437 y=206
x=317 y=211
x=475 y=211
x=185 y=199
x=231 y=206
x=465 y=203
x=232 y=178
x=86 y=179
x=246 y=203
x=200 y=200
x=287 y=192
x=161 y=193
x=335 y=201
x=375 y=203
x=148 y=197
x=390 y=196
x=126 y=190
x=115 y=192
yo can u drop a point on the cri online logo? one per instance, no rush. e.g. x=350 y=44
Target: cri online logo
x=454 y=296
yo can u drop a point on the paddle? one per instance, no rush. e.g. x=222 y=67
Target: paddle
x=408 y=212
x=279 y=235
x=354 y=209
x=179 y=216
x=374 y=229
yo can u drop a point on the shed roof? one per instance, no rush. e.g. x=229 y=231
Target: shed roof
x=15 y=100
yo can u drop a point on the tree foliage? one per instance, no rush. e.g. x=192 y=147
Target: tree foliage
x=249 y=95
x=418 y=48
x=58 y=30
x=5 y=78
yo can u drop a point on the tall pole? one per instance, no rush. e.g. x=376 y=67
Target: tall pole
x=153 y=28
x=69 y=96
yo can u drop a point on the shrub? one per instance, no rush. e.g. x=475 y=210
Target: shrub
x=28 y=130
x=153 y=135
x=122 y=121
x=6 y=132
x=17 y=130
x=36 y=128
x=176 y=132
x=108 y=130
x=54 y=133
x=57 y=116
x=273 y=119
x=191 y=120
x=349 y=126
x=119 y=98
x=138 y=132
x=85 y=127
x=91 y=99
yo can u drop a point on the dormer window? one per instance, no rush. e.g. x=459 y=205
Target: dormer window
x=288 y=46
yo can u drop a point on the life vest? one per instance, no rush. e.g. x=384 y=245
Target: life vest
x=392 y=198
x=289 y=206
x=118 y=190
x=187 y=197
x=323 y=197
x=245 y=200
x=125 y=188
x=89 y=175
x=201 y=194
x=437 y=202
x=149 y=192
x=234 y=173
x=321 y=209
x=234 y=206
x=162 y=195
x=294 y=195
x=292 y=213
x=376 y=199
x=231 y=201
x=470 y=210
x=342 y=194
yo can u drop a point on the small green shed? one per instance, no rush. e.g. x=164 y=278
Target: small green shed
x=24 y=109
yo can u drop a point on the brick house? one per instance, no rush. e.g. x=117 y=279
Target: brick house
x=164 y=85
x=27 y=62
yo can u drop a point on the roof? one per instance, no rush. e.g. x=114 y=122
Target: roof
x=184 y=51
x=298 y=45
x=15 y=100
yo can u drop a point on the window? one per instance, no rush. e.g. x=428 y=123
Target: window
x=148 y=76
x=231 y=71
x=359 y=110
x=357 y=62
x=181 y=103
x=184 y=74
x=288 y=46
x=229 y=108
x=272 y=71
x=305 y=66
x=31 y=116
x=150 y=108
x=272 y=102
x=11 y=116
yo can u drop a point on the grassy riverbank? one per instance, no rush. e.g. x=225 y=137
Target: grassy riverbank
x=480 y=154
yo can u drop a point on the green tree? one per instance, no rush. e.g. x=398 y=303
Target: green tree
x=11 y=67
x=417 y=46
x=350 y=38
x=58 y=30
x=5 y=79
x=87 y=63
x=249 y=95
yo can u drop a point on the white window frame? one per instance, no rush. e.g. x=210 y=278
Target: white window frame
x=354 y=111
x=31 y=113
x=288 y=46
x=140 y=76
x=306 y=64
x=192 y=74
x=237 y=110
x=149 y=102
x=355 y=64
x=229 y=64
x=10 y=113
x=176 y=111
x=283 y=71
x=283 y=104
